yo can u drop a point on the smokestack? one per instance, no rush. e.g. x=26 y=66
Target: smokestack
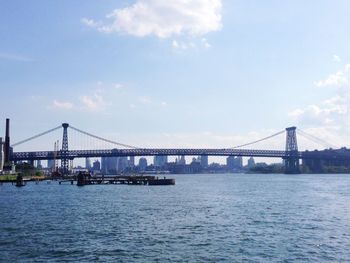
x=1 y=155
x=7 y=143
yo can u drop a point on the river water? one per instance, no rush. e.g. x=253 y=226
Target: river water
x=203 y=218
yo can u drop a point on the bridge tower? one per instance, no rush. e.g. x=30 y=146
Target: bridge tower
x=64 y=150
x=291 y=161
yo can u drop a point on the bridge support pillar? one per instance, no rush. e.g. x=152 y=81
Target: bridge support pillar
x=291 y=165
x=291 y=162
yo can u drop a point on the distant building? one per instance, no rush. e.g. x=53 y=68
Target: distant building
x=204 y=161
x=251 y=162
x=234 y=163
x=109 y=165
x=38 y=164
x=113 y=165
x=131 y=163
x=50 y=164
x=239 y=162
x=142 y=164
x=160 y=161
x=230 y=162
x=181 y=160
x=317 y=165
x=96 y=166
x=122 y=164
x=88 y=164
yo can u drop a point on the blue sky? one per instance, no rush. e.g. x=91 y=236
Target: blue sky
x=200 y=73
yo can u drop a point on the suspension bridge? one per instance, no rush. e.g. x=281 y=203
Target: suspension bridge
x=291 y=155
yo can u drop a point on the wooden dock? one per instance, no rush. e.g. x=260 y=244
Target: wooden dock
x=86 y=179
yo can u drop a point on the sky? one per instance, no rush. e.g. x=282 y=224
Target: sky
x=180 y=73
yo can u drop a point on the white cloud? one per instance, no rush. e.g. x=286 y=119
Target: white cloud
x=336 y=58
x=118 y=86
x=163 y=19
x=181 y=45
x=14 y=57
x=205 y=43
x=93 y=103
x=90 y=22
x=330 y=112
x=339 y=78
x=65 y=105
x=145 y=100
x=164 y=103
x=331 y=116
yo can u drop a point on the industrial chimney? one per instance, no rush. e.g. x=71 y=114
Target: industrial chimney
x=1 y=155
x=7 y=143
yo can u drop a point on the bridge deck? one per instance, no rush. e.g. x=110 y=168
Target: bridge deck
x=72 y=154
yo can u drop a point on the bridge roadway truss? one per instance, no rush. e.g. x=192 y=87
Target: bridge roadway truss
x=72 y=154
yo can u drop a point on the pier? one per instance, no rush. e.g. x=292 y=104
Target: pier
x=86 y=179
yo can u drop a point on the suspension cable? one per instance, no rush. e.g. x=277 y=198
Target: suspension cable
x=103 y=139
x=315 y=139
x=36 y=136
x=260 y=140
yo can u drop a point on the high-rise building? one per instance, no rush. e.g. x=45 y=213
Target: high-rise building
x=109 y=165
x=131 y=161
x=239 y=162
x=230 y=162
x=251 y=162
x=160 y=160
x=96 y=165
x=204 y=161
x=142 y=164
x=181 y=160
x=88 y=164
x=122 y=164
x=50 y=164
x=234 y=162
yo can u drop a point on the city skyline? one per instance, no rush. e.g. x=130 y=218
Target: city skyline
x=231 y=73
